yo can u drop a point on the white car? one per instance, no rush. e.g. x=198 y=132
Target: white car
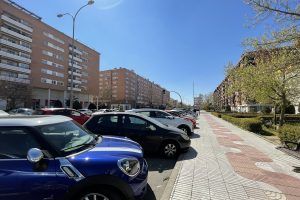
x=167 y=119
x=3 y=113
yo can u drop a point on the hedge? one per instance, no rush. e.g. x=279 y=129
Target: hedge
x=250 y=124
x=216 y=114
x=289 y=133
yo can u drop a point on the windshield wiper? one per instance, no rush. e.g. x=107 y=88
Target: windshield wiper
x=77 y=146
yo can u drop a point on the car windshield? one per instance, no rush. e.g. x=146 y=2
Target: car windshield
x=67 y=137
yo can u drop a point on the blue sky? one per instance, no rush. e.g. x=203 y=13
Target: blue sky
x=172 y=42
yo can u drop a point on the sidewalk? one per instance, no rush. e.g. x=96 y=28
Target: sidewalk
x=226 y=162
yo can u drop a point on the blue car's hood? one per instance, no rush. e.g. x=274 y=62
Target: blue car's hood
x=112 y=146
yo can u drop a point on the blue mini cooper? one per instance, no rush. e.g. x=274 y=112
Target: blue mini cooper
x=51 y=157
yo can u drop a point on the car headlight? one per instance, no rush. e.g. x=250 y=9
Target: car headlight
x=130 y=166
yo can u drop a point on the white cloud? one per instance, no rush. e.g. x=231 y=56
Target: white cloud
x=107 y=4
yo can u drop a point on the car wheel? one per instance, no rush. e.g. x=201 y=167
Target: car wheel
x=185 y=129
x=100 y=194
x=170 y=149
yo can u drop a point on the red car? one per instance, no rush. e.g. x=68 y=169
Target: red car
x=74 y=114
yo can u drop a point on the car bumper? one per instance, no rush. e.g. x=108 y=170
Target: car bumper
x=185 y=145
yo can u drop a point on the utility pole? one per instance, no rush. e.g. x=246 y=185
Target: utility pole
x=193 y=95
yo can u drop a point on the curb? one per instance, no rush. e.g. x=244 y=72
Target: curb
x=171 y=182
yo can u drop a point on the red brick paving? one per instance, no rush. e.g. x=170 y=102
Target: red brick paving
x=244 y=163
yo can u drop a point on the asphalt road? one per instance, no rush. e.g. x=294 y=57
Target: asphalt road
x=160 y=170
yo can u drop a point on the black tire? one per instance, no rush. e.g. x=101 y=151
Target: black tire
x=186 y=129
x=170 y=149
x=109 y=193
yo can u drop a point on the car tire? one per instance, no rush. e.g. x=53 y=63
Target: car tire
x=170 y=149
x=186 y=129
x=101 y=194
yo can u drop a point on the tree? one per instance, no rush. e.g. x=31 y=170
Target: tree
x=77 y=105
x=58 y=104
x=273 y=77
x=92 y=106
x=15 y=94
x=284 y=14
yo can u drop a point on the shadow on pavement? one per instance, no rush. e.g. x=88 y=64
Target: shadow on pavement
x=150 y=194
x=195 y=135
x=159 y=164
x=190 y=154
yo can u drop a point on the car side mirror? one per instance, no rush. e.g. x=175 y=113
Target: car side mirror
x=35 y=155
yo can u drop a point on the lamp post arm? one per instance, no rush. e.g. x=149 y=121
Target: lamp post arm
x=179 y=97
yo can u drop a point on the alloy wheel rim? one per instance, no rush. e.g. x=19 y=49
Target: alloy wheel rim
x=94 y=196
x=170 y=150
x=184 y=129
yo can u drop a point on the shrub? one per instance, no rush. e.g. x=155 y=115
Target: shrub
x=290 y=110
x=266 y=110
x=77 y=105
x=250 y=124
x=243 y=115
x=289 y=133
x=216 y=114
x=92 y=106
x=228 y=108
x=58 y=104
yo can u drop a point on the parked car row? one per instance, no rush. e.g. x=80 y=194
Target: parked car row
x=167 y=119
x=53 y=157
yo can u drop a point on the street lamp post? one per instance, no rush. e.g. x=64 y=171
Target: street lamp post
x=90 y=2
x=179 y=97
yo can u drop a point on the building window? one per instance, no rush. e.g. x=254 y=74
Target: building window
x=49 y=35
x=53 y=73
x=49 y=44
x=52 y=82
x=47 y=62
x=85 y=74
x=47 y=53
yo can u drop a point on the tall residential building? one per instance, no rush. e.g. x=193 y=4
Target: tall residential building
x=37 y=57
x=236 y=101
x=123 y=87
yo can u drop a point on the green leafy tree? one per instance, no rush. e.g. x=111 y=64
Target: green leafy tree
x=273 y=77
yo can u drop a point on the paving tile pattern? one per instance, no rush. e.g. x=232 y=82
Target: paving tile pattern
x=226 y=162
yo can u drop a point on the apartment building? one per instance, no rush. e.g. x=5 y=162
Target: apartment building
x=124 y=88
x=38 y=56
x=237 y=101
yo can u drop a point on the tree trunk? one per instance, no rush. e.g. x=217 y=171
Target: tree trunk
x=282 y=112
x=275 y=120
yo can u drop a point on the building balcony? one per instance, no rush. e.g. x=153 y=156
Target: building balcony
x=75 y=66
x=75 y=58
x=75 y=50
x=75 y=89
x=13 y=79
x=15 y=57
x=18 y=35
x=75 y=74
x=16 y=23
x=14 y=45
x=14 y=68
x=75 y=81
